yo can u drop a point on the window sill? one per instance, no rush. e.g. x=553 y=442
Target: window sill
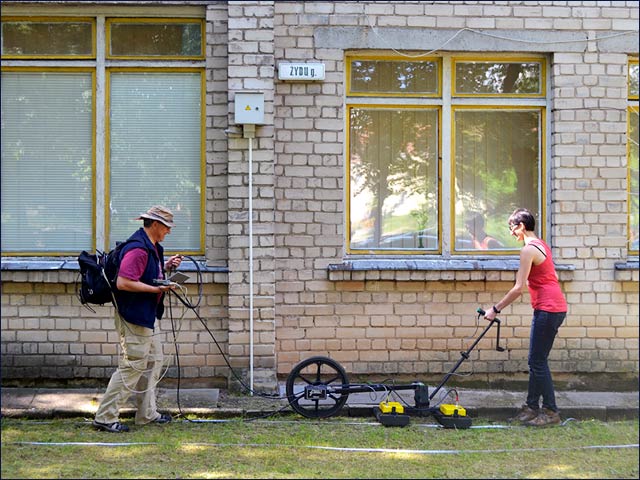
x=432 y=270
x=67 y=270
x=628 y=271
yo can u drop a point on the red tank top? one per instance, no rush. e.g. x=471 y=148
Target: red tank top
x=544 y=288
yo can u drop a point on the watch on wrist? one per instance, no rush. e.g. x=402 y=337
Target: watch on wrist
x=495 y=309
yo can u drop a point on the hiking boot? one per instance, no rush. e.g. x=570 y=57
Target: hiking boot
x=163 y=418
x=115 y=427
x=525 y=414
x=545 y=417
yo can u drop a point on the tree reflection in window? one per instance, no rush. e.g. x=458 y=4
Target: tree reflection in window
x=380 y=76
x=486 y=78
x=47 y=38
x=497 y=160
x=156 y=39
x=634 y=173
x=633 y=80
x=394 y=178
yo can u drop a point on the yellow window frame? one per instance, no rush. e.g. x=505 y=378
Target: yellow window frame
x=631 y=110
x=159 y=21
x=107 y=161
x=89 y=20
x=632 y=61
x=41 y=253
x=541 y=173
x=482 y=59
x=349 y=250
x=392 y=58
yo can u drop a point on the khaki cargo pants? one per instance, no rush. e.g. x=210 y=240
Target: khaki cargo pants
x=138 y=373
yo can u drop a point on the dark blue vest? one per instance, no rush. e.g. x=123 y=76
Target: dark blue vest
x=142 y=308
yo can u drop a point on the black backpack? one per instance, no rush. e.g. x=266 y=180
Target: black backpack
x=98 y=275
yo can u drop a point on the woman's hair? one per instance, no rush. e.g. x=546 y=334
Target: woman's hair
x=522 y=215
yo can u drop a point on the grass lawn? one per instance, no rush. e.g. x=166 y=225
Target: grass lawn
x=291 y=447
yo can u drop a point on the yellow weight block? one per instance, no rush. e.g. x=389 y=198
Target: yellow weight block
x=450 y=410
x=391 y=407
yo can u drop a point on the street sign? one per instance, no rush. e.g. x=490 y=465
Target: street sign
x=301 y=71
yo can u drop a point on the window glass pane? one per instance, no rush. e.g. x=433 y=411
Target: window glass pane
x=498 y=78
x=155 y=153
x=497 y=158
x=156 y=39
x=633 y=80
x=394 y=179
x=47 y=38
x=633 y=179
x=378 y=76
x=47 y=161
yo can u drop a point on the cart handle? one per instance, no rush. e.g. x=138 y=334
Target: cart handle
x=481 y=312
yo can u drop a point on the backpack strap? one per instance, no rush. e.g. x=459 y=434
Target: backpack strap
x=541 y=251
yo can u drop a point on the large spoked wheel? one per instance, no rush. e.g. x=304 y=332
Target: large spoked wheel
x=320 y=372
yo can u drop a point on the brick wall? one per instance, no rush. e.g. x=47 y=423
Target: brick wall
x=47 y=335
x=417 y=322
x=251 y=68
x=372 y=322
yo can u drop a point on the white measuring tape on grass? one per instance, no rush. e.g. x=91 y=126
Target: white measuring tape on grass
x=335 y=449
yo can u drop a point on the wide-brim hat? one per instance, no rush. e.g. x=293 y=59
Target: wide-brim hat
x=159 y=214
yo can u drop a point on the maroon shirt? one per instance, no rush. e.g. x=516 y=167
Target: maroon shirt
x=133 y=264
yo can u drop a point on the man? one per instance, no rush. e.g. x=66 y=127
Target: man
x=479 y=238
x=139 y=303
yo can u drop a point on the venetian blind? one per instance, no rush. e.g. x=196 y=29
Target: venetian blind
x=155 y=152
x=47 y=161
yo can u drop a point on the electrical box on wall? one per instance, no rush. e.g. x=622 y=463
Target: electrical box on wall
x=249 y=108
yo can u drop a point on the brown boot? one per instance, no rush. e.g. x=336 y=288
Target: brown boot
x=545 y=417
x=525 y=414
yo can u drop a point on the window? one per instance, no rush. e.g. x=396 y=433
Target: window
x=145 y=38
x=473 y=77
x=47 y=160
x=441 y=151
x=55 y=38
x=91 y=143
x=632 y=158
x=496 y=168
x=394 y=77
x=394 y=178
x=155 y=148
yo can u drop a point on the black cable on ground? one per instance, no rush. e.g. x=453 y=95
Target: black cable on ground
x=193 y=307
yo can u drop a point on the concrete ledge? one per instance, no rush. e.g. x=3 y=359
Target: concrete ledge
x=628 y=271
x=486 y=405
x=67 y=270
x=372 y=269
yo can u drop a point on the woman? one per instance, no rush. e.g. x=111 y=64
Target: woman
x=549 y=311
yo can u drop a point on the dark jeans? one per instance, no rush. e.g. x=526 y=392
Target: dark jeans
x=544 y=328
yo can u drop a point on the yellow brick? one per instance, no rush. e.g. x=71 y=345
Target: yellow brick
x=10 y=287
x=410 y=286
x=350 y=286
x=627 y=332
x=601 y=332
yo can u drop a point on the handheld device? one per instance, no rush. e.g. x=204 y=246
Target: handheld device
x=175 y=279
x=178 y=277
